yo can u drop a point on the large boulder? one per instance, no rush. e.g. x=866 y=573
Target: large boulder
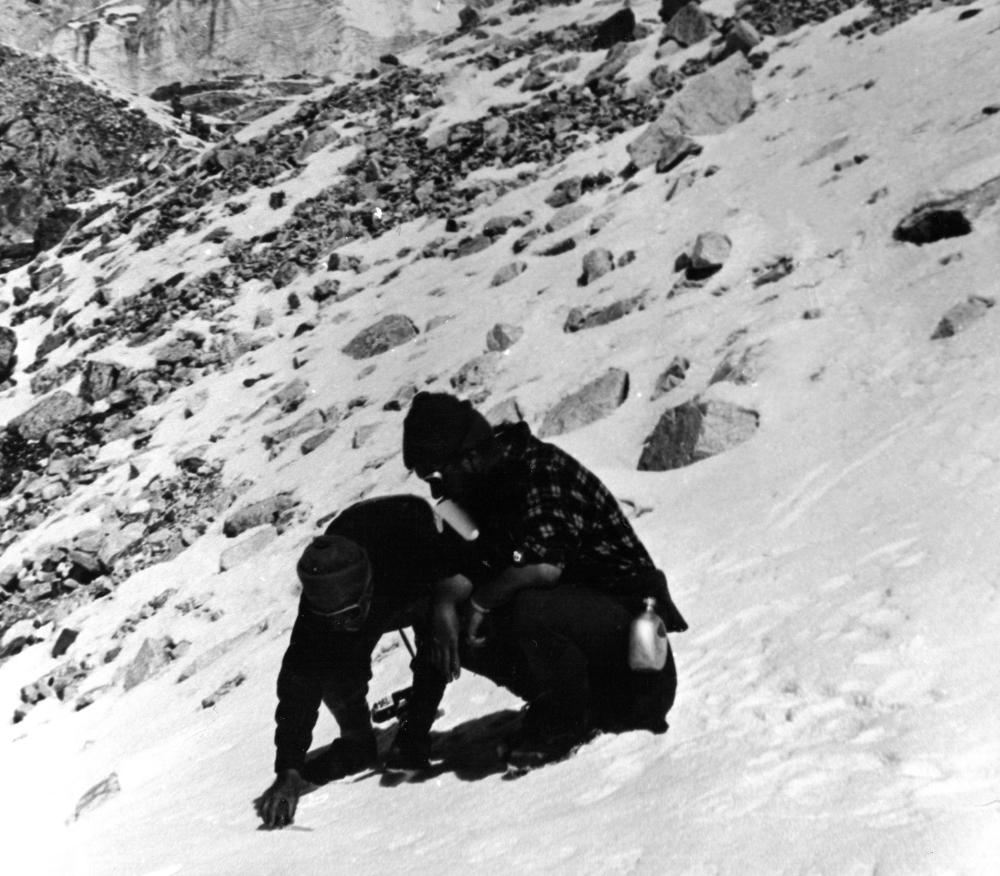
x=388 y=332
x=590 y=403
x=710 y=103
x=52 y=412
x=694 y=431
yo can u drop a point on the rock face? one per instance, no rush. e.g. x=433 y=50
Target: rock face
x=592 y=402
x=694 y=431
x=388 y=332
x=151 y=42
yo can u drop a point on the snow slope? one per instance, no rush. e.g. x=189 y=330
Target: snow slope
x=838 y=710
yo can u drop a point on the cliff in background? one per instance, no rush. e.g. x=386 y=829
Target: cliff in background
x=148 y=43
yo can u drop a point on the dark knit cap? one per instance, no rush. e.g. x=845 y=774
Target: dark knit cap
x=439 y=427
x=334 y=572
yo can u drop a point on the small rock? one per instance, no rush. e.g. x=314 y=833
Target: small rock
x=258 y=513
x=930 y=223
x=388 y=332
x=961 y=316
x=742 y=37
x=503 y=336
x=580 y=318
x=566 y=192
x=306 y=423
x=508 y=273
x=672 y=377
x=314 y=441
x=596 y=264
x=566 y=216
x=708 y=255
x=227 y=687
x=363 y=434
x=741 y=367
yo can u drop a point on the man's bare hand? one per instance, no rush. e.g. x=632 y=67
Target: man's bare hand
x=276 y=806
x=445 y=629
x=473 y=621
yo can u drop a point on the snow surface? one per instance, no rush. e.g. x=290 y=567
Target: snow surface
x=838 y=709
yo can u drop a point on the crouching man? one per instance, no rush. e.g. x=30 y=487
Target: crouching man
x=551 y=621
x=381 y=565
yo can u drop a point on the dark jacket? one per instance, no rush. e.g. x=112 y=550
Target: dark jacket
x=408 y=555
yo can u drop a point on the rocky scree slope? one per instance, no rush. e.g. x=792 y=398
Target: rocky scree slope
x=252 y=251
x=60 y=139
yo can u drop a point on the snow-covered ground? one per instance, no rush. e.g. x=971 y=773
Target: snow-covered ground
x=838 y=708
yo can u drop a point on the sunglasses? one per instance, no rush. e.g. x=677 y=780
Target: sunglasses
x=350 y=618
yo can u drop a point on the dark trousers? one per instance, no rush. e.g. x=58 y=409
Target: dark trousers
x=564 y=651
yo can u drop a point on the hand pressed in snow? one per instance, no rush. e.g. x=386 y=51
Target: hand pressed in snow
x=276 y=806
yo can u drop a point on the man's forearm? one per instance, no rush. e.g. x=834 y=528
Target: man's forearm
x=504 y=586
x=295 y=717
